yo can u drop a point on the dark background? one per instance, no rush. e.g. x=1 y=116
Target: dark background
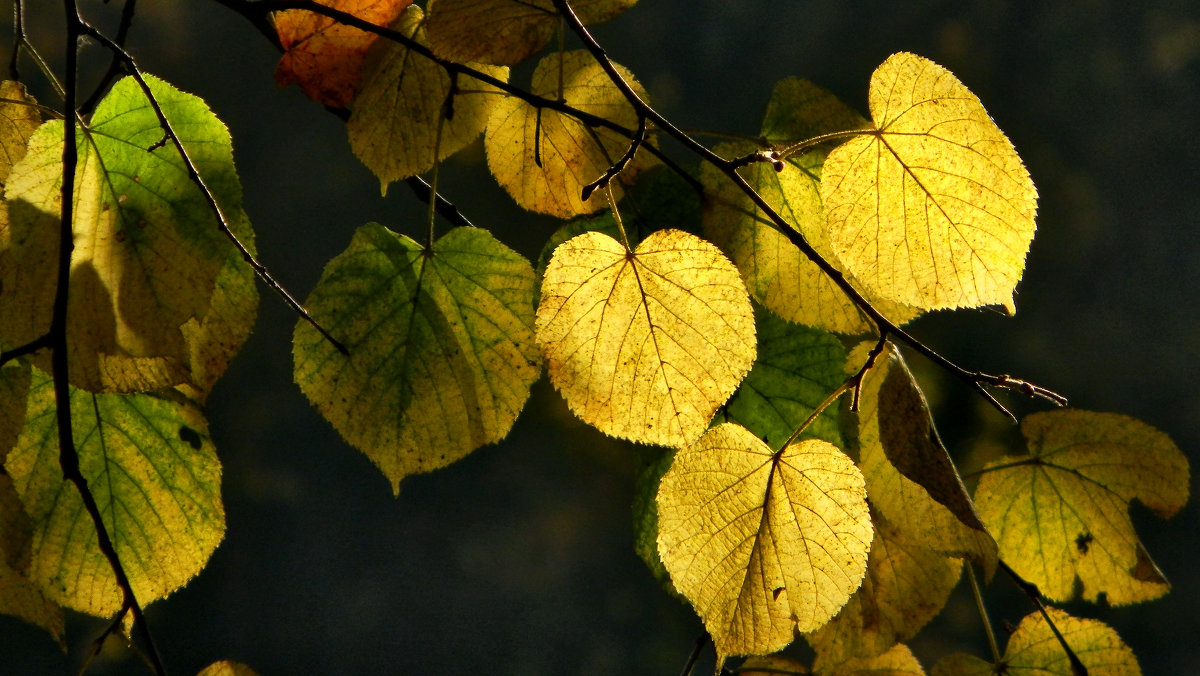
x=518 y=560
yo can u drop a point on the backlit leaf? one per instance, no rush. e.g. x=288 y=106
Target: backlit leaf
x=227 y=668
x=148 y=252
x=441 y=346
x=19 y=118
x=906 y=586
x=411 y=113
x=762 y=543
x=505 y=32
x=544 y=158
x=933 y=208
x=926 y=501
x=897 y=661
x=645 y=345
x=19 y=597
x=153 y=471
x=1061 y=512
x=1033 y=649
x=796 y=369
x=324 y=56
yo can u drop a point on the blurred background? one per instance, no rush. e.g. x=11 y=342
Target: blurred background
x=519 y=559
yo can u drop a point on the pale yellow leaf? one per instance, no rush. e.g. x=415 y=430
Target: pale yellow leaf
x=645 y=345
x=544 y=158
x=19 y=118
x=933 y=208
x=762 y=543
x=896 y=661
x=410 y=113
x=504 y=32
x=227 y=668
x=1061 y=512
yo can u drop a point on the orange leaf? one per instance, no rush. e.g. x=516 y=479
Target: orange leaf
x=325 y=57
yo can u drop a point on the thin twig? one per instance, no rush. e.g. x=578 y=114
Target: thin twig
x=977 y=380
x=68 y=457
x=114 y=66
x=209 y=198
x=639 y=138
x=694 y=657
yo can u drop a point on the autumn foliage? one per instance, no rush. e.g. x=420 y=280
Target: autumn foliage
x=739 y=307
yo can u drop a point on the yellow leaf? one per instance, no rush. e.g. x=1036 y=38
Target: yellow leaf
x=19 y=118
x=906 y=586
x=544 y=158
x=411 y=113
x=441 y=346
x=154 y=474
x=762 y=543
x=227 y=668
x=504 y=32
x=645 y=345
x=324 y=56
x=19 y=597
x=897 y=661
x=1034 y=649
x=927 y=501
x=1061 y=512
x=776 y=272
x=933 y=208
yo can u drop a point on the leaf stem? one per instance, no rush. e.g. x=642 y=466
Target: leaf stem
x=612 y=202
x=983 y=614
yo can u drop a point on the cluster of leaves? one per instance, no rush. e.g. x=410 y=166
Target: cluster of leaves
x=739 y=314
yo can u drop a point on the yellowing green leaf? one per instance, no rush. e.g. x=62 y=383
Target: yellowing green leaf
x=19 y=597
x=147 y=252
x=933 y=208
x=906 y=586
x=19 y=118
x=410 y=113
x=897 y=661
x=925 y=500
x=153 y=471
x=800 y=110
x=544 y=158
x=441 y=346
x=762 y=543
x=645 y=514
x=1033 y=649
x=796 y=369
x=325 y=56
x=504 y=32
x=1061 y=513
x=645 y=345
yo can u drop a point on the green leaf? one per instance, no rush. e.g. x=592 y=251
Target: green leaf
x=148 y=252
x=762 y=543
x=796 y=369
x=933 y=208
x=645 y=345
x=1034 y=649
x=1061 y=512
x=410 y=113
x=152 y=469
x=645 y=514
x=544 y=158
x=504 y=32
x=442 y=353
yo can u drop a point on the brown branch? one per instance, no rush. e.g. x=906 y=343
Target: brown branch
x=68 y=456
x=977 y=380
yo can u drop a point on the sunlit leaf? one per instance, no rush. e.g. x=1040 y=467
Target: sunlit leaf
x=1033 y=649
x=147 y=254
x=411 y=113
x=796 y=369
x=1061 y=512
x=762 y=543
x=906 y=586
x=926 y=501
x=897 y=661
x=153 y=471
x=441 y=346
x=19 y=118
x=227 y=668
x=645 y=344
x=324 y=56
x=544 y=158
x=933 y=208
x=505 y=32
x=19 y=597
